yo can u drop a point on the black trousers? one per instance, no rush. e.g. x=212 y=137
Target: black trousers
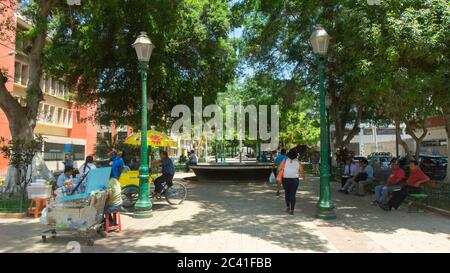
x=290 y=186
x=160 y=180
x=399 y=196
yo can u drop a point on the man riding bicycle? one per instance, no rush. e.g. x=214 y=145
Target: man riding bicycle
x=168 y=171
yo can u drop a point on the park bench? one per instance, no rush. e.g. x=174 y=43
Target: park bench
x=418 y=201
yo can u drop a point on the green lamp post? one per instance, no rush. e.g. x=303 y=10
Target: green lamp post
x=144 y=48
x=325 y=207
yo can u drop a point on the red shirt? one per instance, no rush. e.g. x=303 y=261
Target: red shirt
x=416 y=176
x=396 y=177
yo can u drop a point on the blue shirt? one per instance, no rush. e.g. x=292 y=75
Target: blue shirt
x=167 y=166
x=61 y=180
x=369 y=170
x=116 y=167
x=280 y=159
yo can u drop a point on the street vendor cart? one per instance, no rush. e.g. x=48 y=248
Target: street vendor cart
x=79 y=214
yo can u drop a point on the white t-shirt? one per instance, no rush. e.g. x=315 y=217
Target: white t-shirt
x=90 y=166
x=291 y=168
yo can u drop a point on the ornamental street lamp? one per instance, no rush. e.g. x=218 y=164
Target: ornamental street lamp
x=74 y=2
x=374 y=2
x=325 y=207
x=144 y=48
x=328 y=103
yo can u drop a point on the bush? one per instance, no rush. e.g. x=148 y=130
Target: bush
x=20 y=153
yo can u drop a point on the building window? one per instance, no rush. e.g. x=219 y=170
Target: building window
x=60 y=121
x=48 y=84
x=17 y=72
x=52 y=115
x=61 y=90
x=69 y=118
x=65 y=117
x=386 y=131
x=54 y=87
x=45 y=113
x=40 y=115
x=368 y=132
x=42 y=83
x=24 y=75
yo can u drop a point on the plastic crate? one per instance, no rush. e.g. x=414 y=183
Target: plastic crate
x=39 y=191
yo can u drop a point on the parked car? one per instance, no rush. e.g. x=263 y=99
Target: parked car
x=380 y=160
x=374 y=154
x=433 y=166
x=381 y=163
x=358 y=158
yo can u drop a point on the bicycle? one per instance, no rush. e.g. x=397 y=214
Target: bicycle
x=174 y=195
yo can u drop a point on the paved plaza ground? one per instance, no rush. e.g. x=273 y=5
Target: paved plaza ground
x=248 y=217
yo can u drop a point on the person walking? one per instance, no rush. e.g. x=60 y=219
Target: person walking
x=278 y=160
x=117 y=164
x=315 y=160
x=288 y=175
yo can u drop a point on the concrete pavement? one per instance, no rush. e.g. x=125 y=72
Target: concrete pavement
x=248 y=217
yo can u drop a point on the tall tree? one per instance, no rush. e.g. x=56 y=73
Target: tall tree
x=380 y=56
x=411 y=64
x=276 y=35
x=91 y=48
x=22 y=119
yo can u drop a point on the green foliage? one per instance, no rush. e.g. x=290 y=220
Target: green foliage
x=382 y=59
x=91 y=48
x=20 y=153
x=300 y=129
x=104 y=146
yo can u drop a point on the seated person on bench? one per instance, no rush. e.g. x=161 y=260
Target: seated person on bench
x=360 y=180
x=414 y=184
x=350 y=170
x=168 y=171
x=416 y=178
x=393 y=184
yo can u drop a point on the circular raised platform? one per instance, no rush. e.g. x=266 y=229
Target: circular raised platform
x=229 y=172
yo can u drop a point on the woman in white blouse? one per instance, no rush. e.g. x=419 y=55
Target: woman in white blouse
x=290 y=171
x=87 y=166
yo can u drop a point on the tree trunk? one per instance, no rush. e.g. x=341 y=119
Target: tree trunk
x=339 y=123
x=22 y=119
x=399 y=137
x=15 y=113
x=410 y=128
x=355 y=130
x=447 y=129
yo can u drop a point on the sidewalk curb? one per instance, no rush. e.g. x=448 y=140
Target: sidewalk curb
x=439 y=211
x=13 y=215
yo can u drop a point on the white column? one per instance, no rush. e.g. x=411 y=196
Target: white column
x=361 y=141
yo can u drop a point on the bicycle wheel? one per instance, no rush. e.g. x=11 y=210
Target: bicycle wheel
x=176 y=194
x=130 y=195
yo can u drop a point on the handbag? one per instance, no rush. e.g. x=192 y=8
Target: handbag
x=281 y=171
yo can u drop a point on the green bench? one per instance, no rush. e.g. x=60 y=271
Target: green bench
x=418 y=201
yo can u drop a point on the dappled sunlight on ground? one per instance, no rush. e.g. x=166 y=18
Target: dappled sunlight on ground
x=248 y=217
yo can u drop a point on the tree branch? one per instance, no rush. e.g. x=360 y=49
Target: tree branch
x=34 y=92
x=10 y=106
x=355 y=130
